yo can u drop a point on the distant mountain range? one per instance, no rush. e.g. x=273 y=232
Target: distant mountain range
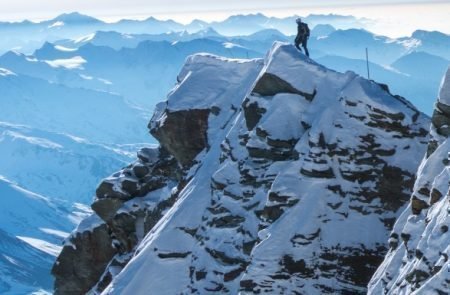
x=27 y=36
x=131 y=64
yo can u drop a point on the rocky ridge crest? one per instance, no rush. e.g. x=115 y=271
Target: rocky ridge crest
x=272 y=175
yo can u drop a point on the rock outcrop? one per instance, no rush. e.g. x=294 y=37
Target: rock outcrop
x=418 y=259
x=127 y=205
x=276 y=176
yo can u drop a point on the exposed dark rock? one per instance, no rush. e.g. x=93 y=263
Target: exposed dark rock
x=232 y=275
x=148 y=155
x=417 y=205
x=107 y=277
x=441 y=119
x=271 y=213
x=173 y=255
x=350 y=265
x=328 y=173
x=200 y=275
x=140 y=170
x=82 y=262
x=247 y=285
x=432 y=146
x=221 y=257
x=252 y=113
x=183 y=134
x=130 y=186
x=270 y=85
x=106 y=208
x=435 y=196
x=157 y=168
x=227 y=221
x=297 y=267
x=215 y=110
x=106 y=190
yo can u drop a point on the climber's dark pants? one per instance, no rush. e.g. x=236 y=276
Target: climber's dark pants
x=304 y=42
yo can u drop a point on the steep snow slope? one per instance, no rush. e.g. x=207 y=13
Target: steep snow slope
x=31 y=231
x=292 y=176
x=23 y=268
x=56 y=165
x=98 y=116
x=62 y=171
x=417 y=262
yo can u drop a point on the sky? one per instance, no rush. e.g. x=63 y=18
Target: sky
x=393 y=18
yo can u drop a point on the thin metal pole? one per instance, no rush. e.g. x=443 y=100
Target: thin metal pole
x=367 y=63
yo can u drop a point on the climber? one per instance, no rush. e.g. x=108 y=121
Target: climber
x=302 y=36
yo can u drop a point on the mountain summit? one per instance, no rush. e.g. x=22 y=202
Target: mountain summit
x=272 y=175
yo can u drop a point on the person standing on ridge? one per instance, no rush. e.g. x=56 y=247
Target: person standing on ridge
x=302 y=36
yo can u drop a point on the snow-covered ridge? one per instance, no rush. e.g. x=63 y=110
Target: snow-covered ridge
x=417 y=262
x=268 y=176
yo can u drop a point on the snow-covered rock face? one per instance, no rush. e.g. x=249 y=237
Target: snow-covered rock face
x=444 y=93
x=294 y=182
x=417 y=262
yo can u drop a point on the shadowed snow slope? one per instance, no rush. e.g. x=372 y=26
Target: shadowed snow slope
x=31 y=231
x=55 y=165
x=291 y=177
x=79 y=112
x=417 y=262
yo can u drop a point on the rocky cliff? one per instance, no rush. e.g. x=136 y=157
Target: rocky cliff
x=275 y=175
x=418 y=259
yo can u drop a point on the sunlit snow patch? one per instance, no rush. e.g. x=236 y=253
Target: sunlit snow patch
x=5 y=72
x=231 y=45
x=65 y=49
x=44 y=246
x=75 y=62
x=56 y=24
x=86 y=38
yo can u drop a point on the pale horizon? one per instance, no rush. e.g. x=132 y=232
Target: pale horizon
x=393 y=20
